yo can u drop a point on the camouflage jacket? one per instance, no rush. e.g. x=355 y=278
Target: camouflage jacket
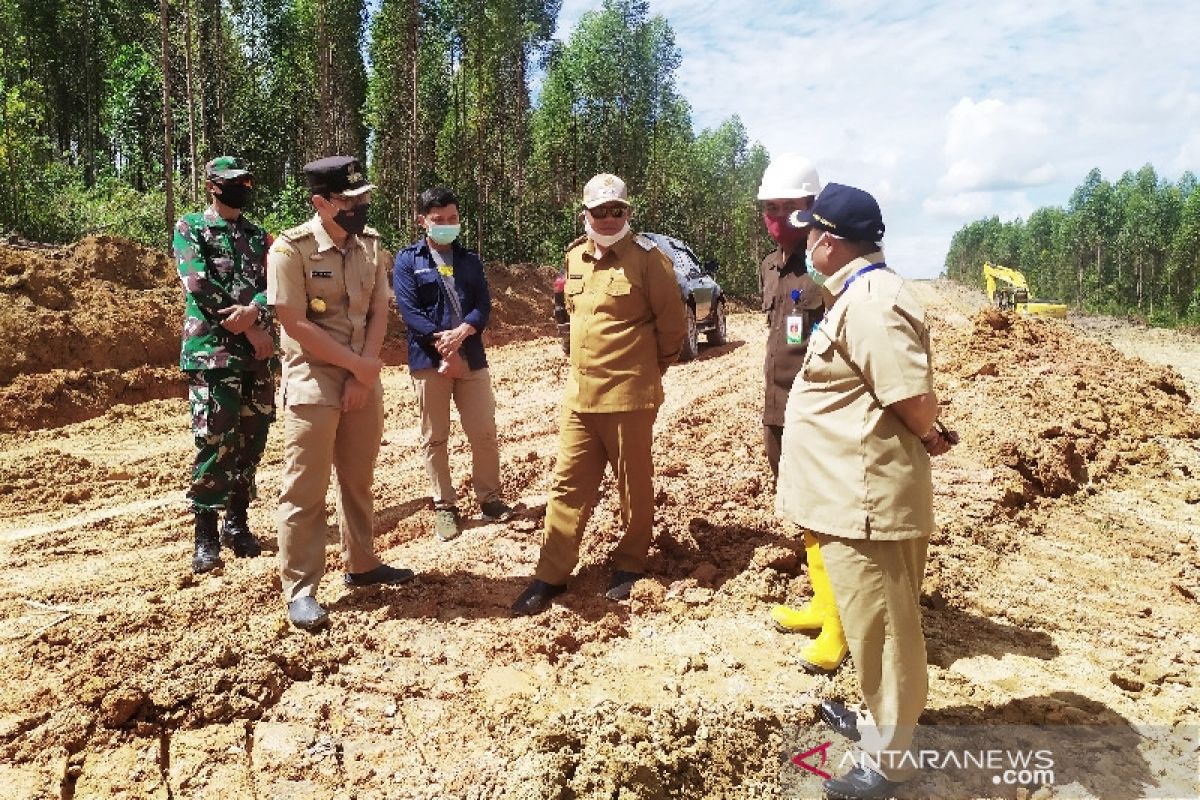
x=221 y=264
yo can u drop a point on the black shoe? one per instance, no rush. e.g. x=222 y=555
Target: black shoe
x=306 y=613
x=859 y=783
x=839 y=719
x=622 y=584
x=235 y=533
x=207 y=555
x=384 y=573
x=536 y=598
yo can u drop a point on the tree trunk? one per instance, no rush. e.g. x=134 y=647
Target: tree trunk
x=164 y=10
x=325 y=130
x=191 y=100
x=414 y=136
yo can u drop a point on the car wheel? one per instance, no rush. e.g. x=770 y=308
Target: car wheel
x=691 y=342
x=719 y=334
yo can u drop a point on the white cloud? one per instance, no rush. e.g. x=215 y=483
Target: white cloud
x=993 y=145
x=946 y=111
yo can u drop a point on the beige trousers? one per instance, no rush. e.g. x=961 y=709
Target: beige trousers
x=316 y=439
x=472 y=395
x=877 y=585
x=586 y=443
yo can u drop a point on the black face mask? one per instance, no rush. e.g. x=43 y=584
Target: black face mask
x=352 y=221
x=235 y=195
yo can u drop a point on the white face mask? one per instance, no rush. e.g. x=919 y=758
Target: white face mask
x=819 y=278
x=605 y=240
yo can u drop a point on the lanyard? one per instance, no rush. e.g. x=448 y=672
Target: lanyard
x=863 y=271
x=846 y=287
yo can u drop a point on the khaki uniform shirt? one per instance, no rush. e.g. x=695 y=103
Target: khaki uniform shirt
x=850 y=467
x=336 y=289
x=776 y=280
x=627 y=325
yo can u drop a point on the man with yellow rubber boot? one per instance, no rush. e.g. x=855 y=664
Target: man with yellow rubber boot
x=826 y=653
x=794 y=303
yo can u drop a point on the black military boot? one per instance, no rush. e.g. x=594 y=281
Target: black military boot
x=235 y=534
x=208 y=547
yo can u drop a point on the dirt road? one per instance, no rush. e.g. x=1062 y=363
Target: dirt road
x=1062 y=589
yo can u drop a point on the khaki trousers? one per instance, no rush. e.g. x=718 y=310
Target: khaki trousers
x=586 y=442
x=476 y=403
x=316 y=439
x=877 y=585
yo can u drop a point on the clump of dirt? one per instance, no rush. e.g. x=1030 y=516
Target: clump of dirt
x=615 y=749
x=1053 y=411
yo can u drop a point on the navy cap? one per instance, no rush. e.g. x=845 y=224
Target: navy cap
x=844 y=211
x=336 y=175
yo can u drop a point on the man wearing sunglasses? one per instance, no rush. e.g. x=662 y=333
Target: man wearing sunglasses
x=627 y=328
x=228 y=355
x=328 y=284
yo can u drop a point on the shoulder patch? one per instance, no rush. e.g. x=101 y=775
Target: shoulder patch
x=297 y=233
x=644 y=243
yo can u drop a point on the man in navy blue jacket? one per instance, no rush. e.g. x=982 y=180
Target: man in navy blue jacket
x=443 y=298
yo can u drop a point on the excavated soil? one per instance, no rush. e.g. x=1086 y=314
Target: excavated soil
x=94 y=325
x=1061 y=590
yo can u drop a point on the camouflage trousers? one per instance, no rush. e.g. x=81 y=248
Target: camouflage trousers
x=232 y=410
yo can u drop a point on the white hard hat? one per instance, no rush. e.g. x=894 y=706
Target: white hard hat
x=789 y=176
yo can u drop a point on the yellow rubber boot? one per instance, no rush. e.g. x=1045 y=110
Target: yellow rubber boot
x=811 y=616
x=827 y=652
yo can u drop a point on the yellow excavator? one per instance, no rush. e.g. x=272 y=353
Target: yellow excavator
x=1008 y=289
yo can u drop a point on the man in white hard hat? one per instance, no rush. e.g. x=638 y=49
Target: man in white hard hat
x=793 y=304
x=789 y=184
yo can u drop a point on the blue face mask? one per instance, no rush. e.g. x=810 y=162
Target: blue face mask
x=444 y=234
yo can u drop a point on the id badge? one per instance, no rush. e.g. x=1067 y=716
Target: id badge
x=796 y=332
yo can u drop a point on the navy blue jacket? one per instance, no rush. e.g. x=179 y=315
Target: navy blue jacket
x=421 y=298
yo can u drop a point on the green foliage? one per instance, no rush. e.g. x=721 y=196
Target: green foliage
x=442 y=97
x=1127 y=248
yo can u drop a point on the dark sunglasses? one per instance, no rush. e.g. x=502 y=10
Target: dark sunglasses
x=616 y=212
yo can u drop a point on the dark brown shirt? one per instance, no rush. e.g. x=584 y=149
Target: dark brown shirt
x=776 y=281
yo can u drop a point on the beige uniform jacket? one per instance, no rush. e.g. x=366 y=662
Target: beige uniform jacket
x=627 y=325
x=776 y=279
x=850 y=467
x=306 y=271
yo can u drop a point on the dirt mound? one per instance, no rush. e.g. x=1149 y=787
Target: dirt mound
x=522 y=308
x=97 y=323
x=1052 y=410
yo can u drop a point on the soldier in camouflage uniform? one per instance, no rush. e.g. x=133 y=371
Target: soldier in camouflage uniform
x=228 y=355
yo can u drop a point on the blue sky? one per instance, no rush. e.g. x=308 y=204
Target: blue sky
x=947 y=112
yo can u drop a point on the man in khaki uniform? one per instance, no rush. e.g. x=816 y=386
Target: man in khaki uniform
x=627 y=328
x=328 y=283
x=854 y=473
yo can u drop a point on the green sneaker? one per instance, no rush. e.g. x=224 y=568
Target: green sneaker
x=496 y=511
x=445 y=524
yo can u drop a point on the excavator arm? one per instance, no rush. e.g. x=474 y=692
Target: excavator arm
x=1008 y=289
